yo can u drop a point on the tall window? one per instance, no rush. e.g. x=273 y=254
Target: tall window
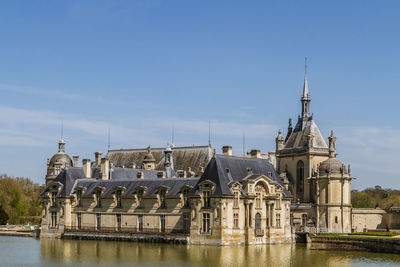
x=53 y=198
x=300 y=179
x=98 y=198
x=53 y=219
x=236 y=200
x=236 y=220
x=162 y=223
x=79 y=219
x=118 y=196
x=185 y=198
x=162 y=198
x=98 y=221
x=119 y=222
x=140 y=222
x=79 y=197
x=186 y=221
x=258 y=221
x=206 y=199
x=278 y=220
x=206 y=223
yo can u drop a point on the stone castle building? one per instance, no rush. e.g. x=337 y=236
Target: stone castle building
x=193 y=195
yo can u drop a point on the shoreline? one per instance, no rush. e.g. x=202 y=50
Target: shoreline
x=19 y=234
x=348 y=243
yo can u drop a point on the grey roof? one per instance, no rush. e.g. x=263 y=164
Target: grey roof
x=71 y=177
x=304 y=127
x=67 y=178
x=174 y=185
x=195 y=157
x=239 y=168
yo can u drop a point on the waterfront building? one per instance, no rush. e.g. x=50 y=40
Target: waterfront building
x=318 y=181
x=193 y=195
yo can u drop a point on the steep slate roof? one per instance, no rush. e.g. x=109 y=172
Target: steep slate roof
x=238 y=167
x=71 y=177
x=195 y=157
x=298 y=138
x=67 y=178
x=174 y=185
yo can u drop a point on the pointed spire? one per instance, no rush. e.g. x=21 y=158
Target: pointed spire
x=332 y=145
x=305 y=98
x=61 y=143
x=306 y=93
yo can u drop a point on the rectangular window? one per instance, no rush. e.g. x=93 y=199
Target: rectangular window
x=236 y=200
x=236 y=220
x=278 y=220
x=206 y=223
x=53 y=198
x=98 y=221
x=140 y=222
x=118 y=195
x=53 y=219
x=79 y=219
x=304 y=219
x=163 y=205
x=79 y=198
x=139 y=198
x=119 y=222
x=186 y=221
x=185 y=198
x=162 y=223
x=98 y=198
x=206 y=199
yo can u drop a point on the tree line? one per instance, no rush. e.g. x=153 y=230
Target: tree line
x=376 y=197
x=19 y=200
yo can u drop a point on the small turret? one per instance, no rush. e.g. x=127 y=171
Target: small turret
x=149 y=162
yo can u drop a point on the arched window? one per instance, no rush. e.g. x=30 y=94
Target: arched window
x=258 y=221
x=300 y=179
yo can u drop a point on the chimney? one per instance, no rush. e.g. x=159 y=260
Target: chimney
x=87 y=168
x=97 y=158
x=227 y=150
x=76 y=158
x=255 y=153
x=105 y=169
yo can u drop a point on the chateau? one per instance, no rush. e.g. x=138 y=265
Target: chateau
x=194 y=195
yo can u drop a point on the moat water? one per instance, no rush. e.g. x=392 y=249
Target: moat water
x=22 y=251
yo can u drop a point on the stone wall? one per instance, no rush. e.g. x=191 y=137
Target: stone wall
x=358 y=244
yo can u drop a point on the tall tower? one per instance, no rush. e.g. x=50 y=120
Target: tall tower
x=303 y=147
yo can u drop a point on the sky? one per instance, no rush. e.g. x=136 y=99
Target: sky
x=144 y=67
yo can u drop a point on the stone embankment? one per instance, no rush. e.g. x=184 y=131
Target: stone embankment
x=19 y=230
x=382 y=245
x=152 y=238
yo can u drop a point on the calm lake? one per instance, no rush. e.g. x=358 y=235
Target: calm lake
x=22 y=251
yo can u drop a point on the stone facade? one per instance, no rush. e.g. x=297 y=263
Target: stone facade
x=245 y=204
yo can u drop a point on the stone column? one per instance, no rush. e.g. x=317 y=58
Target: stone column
x=269 y=214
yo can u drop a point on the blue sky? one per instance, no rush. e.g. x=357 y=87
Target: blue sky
x=143 y=67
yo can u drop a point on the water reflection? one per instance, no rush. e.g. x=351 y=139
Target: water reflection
x=145 y=254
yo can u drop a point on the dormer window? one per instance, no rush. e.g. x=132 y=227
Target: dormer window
x=185 y=193
x=79 y=198
x=162 y=193
x=53 y=198
x=236 y=199
x=139 y=196
x=118 y=196
x=206 y=199
x=98 y=198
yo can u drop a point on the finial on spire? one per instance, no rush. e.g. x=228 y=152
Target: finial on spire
x=209 y=133
x=62 y=129
x=305 y=66
x=305 y=98
x=332 y=145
